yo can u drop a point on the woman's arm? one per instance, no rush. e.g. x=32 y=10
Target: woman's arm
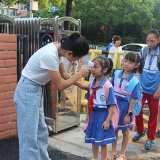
x=60 y=85
x=66 y=75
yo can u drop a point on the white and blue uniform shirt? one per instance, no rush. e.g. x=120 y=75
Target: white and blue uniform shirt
x=99 y=96
x=123 y=84
x=150 y=78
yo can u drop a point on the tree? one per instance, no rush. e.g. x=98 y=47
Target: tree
x=113 y=13
x=156 y=14
x=45 y=4
x=68 y=13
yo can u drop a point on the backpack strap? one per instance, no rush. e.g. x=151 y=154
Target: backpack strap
x=90 y=83
x=106 y=88
x=131 y=86
x=144 y=53
x=116 y=74
x=158 y=59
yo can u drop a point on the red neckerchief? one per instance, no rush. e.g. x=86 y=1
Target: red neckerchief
x=90 y=104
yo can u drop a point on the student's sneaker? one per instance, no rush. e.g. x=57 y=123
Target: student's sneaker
x=149 y=144
x=138 y=136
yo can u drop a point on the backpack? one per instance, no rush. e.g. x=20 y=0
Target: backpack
x=144 y=54
x=115 y=116
x=132 y=85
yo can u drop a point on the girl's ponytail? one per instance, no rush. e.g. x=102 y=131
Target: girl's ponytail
x=140 y=68
x=110 y=66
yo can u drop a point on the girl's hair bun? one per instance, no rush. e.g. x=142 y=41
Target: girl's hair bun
x=74 y=36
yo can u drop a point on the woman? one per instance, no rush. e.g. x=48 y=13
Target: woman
x=43 y=66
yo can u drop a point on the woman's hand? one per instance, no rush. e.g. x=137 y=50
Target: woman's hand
x=126 y=119
x=106 y=125
x=84 y=86
x=84 y=71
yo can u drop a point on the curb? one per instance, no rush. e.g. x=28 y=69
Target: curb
x=146 y=156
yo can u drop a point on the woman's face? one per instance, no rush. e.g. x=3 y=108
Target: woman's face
x=70 y=57
x=152 y=41
x=117 y=43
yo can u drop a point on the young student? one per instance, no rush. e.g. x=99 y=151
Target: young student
x=100 y=131
x=150 y=81
x=116 y=47
x=110 y=45
x=44 y=65
x=121 y=83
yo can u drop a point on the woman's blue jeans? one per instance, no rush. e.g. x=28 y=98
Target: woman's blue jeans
x=32 y=129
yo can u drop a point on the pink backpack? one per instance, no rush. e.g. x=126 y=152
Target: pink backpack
x=115 y=117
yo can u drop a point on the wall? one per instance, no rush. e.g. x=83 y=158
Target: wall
x=8 y=82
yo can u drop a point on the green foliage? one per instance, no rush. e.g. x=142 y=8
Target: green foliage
x=128 y=39
x=112 y=14
x=131 y=19
x=7 y=2
x=156 y=14
x=45 y=4
x=45 y=13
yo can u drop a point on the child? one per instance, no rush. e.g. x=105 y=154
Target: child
x=121 y=82
x=100 y=131
x=150 y=80
x=116 y=47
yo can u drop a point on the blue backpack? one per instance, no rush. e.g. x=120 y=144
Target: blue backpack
x=132 y=85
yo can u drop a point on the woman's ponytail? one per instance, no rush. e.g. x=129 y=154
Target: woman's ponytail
x=75 y=43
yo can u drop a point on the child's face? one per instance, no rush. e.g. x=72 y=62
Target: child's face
x=129 y=66
x=152 y=41
x=97 y=69
x=118 y=42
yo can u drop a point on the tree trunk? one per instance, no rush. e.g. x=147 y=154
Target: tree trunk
x=68 y=13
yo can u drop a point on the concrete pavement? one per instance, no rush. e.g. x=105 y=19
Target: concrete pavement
x=72 y=141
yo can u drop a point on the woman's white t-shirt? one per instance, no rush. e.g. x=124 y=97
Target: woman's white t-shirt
x=46 y=58
x=113 y=48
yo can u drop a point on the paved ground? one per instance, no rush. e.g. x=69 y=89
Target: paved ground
x=69 y=144
x=72 y=141
x=9 y=150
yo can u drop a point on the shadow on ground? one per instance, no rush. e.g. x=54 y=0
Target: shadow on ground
x=9 y=150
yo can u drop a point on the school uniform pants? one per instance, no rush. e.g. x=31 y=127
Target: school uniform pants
x=152 y=122
x=32 y=129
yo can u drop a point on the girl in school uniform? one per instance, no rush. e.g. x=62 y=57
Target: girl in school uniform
x=100 y=131
x=131 y=62
x=150 y=81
